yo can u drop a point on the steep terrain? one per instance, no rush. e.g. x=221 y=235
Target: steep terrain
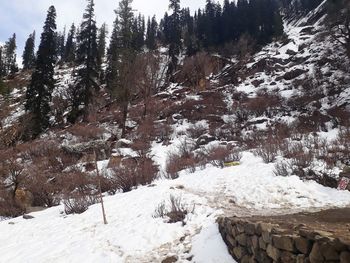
x=251 y=139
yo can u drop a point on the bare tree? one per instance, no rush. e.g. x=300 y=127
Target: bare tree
x=150 y=76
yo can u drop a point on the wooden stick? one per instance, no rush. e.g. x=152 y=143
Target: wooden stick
x=100 y=191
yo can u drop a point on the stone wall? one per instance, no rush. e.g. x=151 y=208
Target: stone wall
x=250 y=241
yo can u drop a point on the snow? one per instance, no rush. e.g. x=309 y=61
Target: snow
x=208 y=246
x=134 y=235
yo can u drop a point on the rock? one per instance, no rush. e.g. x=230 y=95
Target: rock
x=205 y=139
x=240 y=228
x=287 y=257
x=171 y=259
x=315 y=255
x=249 y=228
x=345 y=257
x=283 y=242
x=28 y=217
x=293 y=74
x=262 y=257
x=328 y=252
x=256 y=83
x=263 y=227
x=262 y=243
x=300 y=258
x=242 y=239
x=255 y=242
x=273 y=252
x=303 y=245
x=101 y=148
x=291 y=52
x=266 y=235
x=245 y=259
x=231 y=241
x=239 y=252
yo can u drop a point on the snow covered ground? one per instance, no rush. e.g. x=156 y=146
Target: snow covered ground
x=134 y=235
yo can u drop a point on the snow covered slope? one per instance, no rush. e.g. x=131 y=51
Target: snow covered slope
x=134 y=235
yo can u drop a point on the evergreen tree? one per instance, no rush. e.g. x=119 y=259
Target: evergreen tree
x=86 y=59
x=151 y=35
x=174 y=35
x=113 y=57
x=101 y=45
x=61 y=39
x=121 y=59
x=2 y=64
x=28 y=53
x=70 y=46
x=10 y=55
x=38 y=95
x=138 y=32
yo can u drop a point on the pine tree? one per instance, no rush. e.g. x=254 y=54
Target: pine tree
x=61 y=39
x=101 y=45
x=151 y=35
x=113 y=57
x=70 y=46
x=28 y=53
x=2 y=64
x=175 y=35
x=38 y=95
x=86 y=82
x=121 y=59
x=10 y=56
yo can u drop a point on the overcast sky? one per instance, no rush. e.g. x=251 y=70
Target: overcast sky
x=24 y=16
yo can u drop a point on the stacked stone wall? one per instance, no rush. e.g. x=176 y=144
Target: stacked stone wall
x=250 y=242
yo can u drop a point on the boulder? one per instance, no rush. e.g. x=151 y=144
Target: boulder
x=316 y=255
x=273 y=252
x=303 y=245
x=293 y=74
x=345 y=257
x=283 y=242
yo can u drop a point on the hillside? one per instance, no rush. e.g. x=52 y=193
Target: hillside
x=262 y=133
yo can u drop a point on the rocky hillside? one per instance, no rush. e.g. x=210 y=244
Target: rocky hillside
x=258 y=133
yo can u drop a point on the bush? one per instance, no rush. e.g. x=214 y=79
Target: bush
x=8 y=206
x=282 y=169
x=219 y=155
x=197 y=130
x=175 y=211
x=78 y=203
x=268 y=150
x=132 y=173
x=176 y=163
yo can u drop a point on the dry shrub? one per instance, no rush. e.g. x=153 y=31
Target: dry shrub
x=86 y=132
x=264 y=104
x=79 y=191
x=197 y=130
x=132 y=173
x=183 y=158
x=196 y=69
x=163 y=130
x=219 y=155
x=78 y=203
x=268 y=149
x=175 y=163
x=300 y=157
x=175 y=211
x=8 y=207
x=339 y=116
x=282 y=169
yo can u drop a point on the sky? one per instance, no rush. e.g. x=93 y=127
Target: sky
x=24 y=16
